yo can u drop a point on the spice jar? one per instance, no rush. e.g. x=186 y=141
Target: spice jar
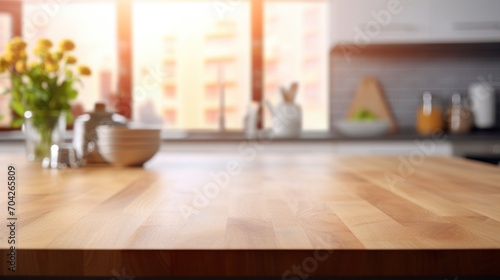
x=458 y=115
x=429 y=115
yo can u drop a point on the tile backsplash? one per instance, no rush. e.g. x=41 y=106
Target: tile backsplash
x=406 y=75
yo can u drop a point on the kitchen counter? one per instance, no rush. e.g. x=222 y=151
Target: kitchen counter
x=312 y=136
x=401 y=135
x=268 y=213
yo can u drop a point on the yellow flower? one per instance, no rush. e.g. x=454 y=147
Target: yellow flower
x=51 y=67
x=22 y=45
x=44 y=43
x=10 y=57
x=84 y=70
x=48 y=58
x=67 y=45
x=20 y=66
x=16 y=44
x=40 y=51
x=71 y=59
x=23 y=55
x=3 y=63
x=57 y=56
x=33 y=64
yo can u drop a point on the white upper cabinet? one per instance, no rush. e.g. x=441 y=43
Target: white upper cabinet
x=379 y=21
x=363 y=22
x=465 y=21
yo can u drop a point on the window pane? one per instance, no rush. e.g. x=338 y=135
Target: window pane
x=183 y=52
x=92 y=26
x=296 y=49
x=5 y=35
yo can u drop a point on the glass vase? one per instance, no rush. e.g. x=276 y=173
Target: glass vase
x=43 y=129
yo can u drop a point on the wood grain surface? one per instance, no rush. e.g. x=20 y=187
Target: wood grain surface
x=347 y=215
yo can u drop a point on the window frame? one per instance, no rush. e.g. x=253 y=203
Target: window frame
x=14 y=9
x=125 y=53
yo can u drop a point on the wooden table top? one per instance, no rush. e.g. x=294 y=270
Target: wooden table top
x=275 y=203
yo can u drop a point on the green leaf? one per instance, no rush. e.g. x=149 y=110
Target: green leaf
x=17 y=107
x=17 y=123
x=41 y=94
x=36 y=89
x=72 y=94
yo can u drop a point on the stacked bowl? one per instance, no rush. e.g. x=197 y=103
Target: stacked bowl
x=127 y=147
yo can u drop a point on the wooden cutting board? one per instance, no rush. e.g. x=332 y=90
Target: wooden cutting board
x=370 y=96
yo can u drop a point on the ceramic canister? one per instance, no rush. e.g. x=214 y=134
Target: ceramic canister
x=482 y=96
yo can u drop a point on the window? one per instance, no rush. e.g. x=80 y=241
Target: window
x=185 y=55
x=95 y=38
x=296 y=49
x=177 y=63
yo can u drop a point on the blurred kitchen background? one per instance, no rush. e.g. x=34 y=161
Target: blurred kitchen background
x=163 y=62
x=178 y=47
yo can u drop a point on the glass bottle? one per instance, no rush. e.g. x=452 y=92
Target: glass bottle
x=429 y=115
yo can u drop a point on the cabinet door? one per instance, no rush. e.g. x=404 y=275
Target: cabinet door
x=465 y=21
x=364 y=22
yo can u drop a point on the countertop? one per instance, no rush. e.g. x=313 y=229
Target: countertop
x=251 y=214
x=310 y=136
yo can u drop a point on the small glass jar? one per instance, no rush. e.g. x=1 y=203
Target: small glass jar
x=458 y=115
x=429 y=115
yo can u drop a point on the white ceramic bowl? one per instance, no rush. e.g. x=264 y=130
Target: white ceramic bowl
x=123 y=132
x=128 y=157
x=110 y=149
x=126 y=140
x=362 y=128
x=124 y=147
